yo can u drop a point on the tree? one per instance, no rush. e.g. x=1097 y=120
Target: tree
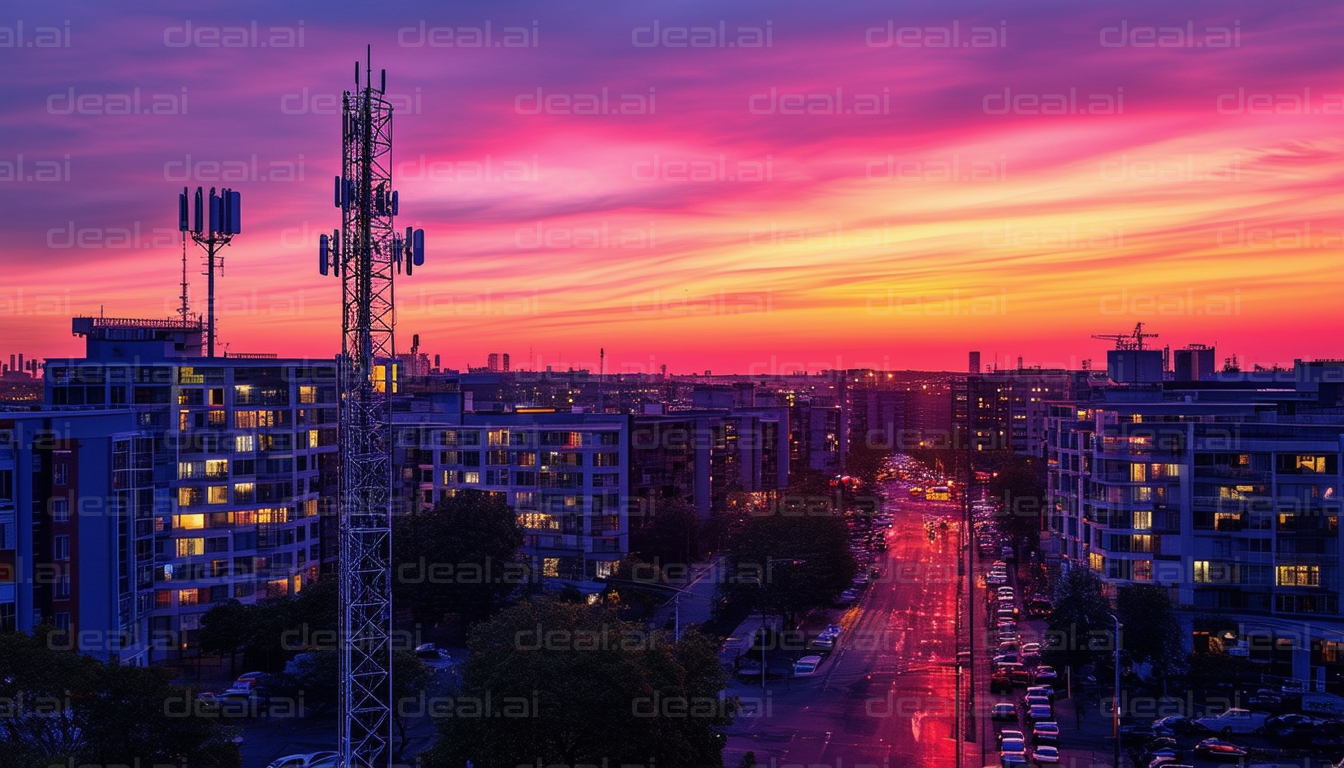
x=671 y=535
x=791 y=562
x=571 y=684
x=866 y=460
x=1018 y=485
x=226 y=630
x=1080 y=626
x=460 y=557
x=1152 y=632
x=71 y=708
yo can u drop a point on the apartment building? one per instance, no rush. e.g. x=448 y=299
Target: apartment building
x=566 y=475
x=77 y=516
x=243 y=452
x=1229 y=497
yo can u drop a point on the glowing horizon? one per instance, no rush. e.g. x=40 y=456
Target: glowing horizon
x=849 y=188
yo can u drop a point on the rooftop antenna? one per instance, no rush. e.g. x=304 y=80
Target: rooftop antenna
x=185 y=309
x=366 y=253
x=217 y=219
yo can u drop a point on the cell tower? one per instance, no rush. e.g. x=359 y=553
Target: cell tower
x=365 y=253
x=224 y=214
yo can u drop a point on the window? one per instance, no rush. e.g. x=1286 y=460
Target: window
x=61 y=548
x=550 y=567
x=1299 y=576
x=217 y=468
x=1138 y=473
x=1313 y=464
x=1202 y=572
x=60 y=474
x=497 y=437
x=189 y=547
x=186 y=597
x=1143 y=570
x=189 y=496
x=218 y=494
x=63 y=621
x=1143 y=521
x=60 y=510
x=244 y=444
x=307 y=395
x=244 y=492
x=189 y=522
x=471 y=477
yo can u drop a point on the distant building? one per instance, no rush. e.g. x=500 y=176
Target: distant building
x=566 y=475
x=974 y=366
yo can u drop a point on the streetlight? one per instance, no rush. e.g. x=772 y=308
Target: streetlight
x=1115 y=704
x=760 y=581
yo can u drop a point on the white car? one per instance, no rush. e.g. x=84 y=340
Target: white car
x=806 y=666
x=1235 y=721
x=1045 y=754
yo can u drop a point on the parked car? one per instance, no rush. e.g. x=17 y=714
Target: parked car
x=1045 y=675
x=1040 y=712
x=1042 y=690
x=806 y=666
x=1045 y=732
x=1004 y=711
x=1235 y=721
x=1010 y=733
x=1045 y=755
x=1013 y=747
x=1136 y=733
x=822 y=643
x=1000 y=681
x=1217 y=748
x=1177 y=725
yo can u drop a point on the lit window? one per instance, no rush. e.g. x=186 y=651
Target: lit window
x=1202 y=572
x=550 y=567
x=1143 y=570
x=1314 y=464
x=1143 y=521
x=186 y=597
x=217 y=494
x=189 y=547
x=217 y=468
x=471 y=477
x=1299 y=576
x=1138 y=473
x=189 y=522
x=244 y=444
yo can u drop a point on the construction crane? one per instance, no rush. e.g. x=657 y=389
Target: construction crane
x=365 y=253
x=1133 y=340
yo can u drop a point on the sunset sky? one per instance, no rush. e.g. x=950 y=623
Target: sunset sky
x=765 y=187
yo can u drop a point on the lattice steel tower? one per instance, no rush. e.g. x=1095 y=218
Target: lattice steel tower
x=365 y=253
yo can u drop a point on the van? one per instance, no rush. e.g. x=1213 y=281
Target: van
x=805 y=666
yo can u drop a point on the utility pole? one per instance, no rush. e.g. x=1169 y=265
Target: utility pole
x=1115 y=706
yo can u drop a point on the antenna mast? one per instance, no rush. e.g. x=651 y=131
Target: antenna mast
x=365 y=253
x=217 y=219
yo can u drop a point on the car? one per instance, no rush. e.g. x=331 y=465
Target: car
x=1176 y=725
x=1040 y=712
x=1045 y=675
x=1032 y=700
x=1265 y=700
x=1013 y=747
x=1004 y=711
x=1045 y=732
x=832 y=629
x=1031 y=647
x=1235 y=720
x=1218 y=748
x=749 y=668
x=1045 y=754
x=1136 y=733
x=433 y=656
x=1000 y=681
x=306 y=760
x=1005 y=658
x=1012 y=760
x=1020 y=676
x=1042 y=690
x=1010 y=733
x=806 y=666
x=822 y=643
x=995 y=578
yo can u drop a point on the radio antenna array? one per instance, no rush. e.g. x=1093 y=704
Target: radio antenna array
x=215 y=221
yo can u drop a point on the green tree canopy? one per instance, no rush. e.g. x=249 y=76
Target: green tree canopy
x=460 y=557
x=571 y=684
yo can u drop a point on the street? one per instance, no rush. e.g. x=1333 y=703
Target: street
x=885 y=696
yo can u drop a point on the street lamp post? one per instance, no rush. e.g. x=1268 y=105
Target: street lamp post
x=1115 y=702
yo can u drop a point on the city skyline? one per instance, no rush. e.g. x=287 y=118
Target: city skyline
x=695 y=221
